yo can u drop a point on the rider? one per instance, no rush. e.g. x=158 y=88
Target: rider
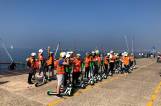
x=132 y=60
x=68 y=68
x=50 y=64
x=41 y=60
x=97 y=61
x=126 y=61
x=77 y=69
x=61 y=71
x=112 y=62
x=106 y=63
x=31 y=63
x=87 y=65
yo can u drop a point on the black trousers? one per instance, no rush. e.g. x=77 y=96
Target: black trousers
x=96 y=68
x=126 y=68
x=30 y=77
x=112 y=64
x=87 y=72
x=76 y=76
x=106 y=70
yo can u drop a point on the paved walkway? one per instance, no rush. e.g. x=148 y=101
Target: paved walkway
x=140 y=88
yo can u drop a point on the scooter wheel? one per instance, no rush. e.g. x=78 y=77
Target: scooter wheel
x=92 y=82
x=99 y=79
x=83 y=86
x=105 y=77
x=48 y=92
x=95 y=80
x=36 y=85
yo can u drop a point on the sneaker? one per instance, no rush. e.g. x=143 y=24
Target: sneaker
x=30 y=83
x=58 y=95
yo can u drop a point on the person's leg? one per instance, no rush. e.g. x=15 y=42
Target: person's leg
x=126 y=68
x=74 y=78
x=95 y=70
x=60 y=79
x=87 y=72
x=30 y=76
x=78 y=75
x=106 y=69
x=49 y=71
x=65 y=79
x=112 y=68
x=33 y=74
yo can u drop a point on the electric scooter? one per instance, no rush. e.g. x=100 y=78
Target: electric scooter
x=40 y=80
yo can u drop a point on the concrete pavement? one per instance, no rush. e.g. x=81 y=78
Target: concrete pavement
x=140 y=88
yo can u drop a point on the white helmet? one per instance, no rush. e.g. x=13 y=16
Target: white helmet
x=41 y=51
x=71 y=52
x=123 y=54
x=97 y=51
x=68 y=55
x=93 y=52
x=126 y=54
x=108 y=54
x=78 y=55
x=62 y=54
x=116 y=54
x=33 y=54
x=111 y=51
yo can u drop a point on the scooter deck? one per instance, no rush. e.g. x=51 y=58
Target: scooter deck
x=51 y=93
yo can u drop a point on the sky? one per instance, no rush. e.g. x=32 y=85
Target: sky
x=81 y=23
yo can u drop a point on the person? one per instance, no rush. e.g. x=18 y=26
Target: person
x=76 y=69
x=41 y=61
x=112 y=62
x=31 y=65
x=126 y=61
x=12 y=66
x=132 y=59
x=68 y=68
x=96 y=61
x=50 y=64
x=87 y=65
x=60 y=72
x=106 y=63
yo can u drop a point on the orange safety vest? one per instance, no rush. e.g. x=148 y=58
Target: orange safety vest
x=56 y=64
x=50 y=61
x=87 y=61
x=34 y=63
x=77 y=65
x=60 y=68
x=106 y=60
x=126 y=60
x=99 y=59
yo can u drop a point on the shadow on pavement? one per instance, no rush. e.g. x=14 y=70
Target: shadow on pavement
x=7 y=73
x=3 y=82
